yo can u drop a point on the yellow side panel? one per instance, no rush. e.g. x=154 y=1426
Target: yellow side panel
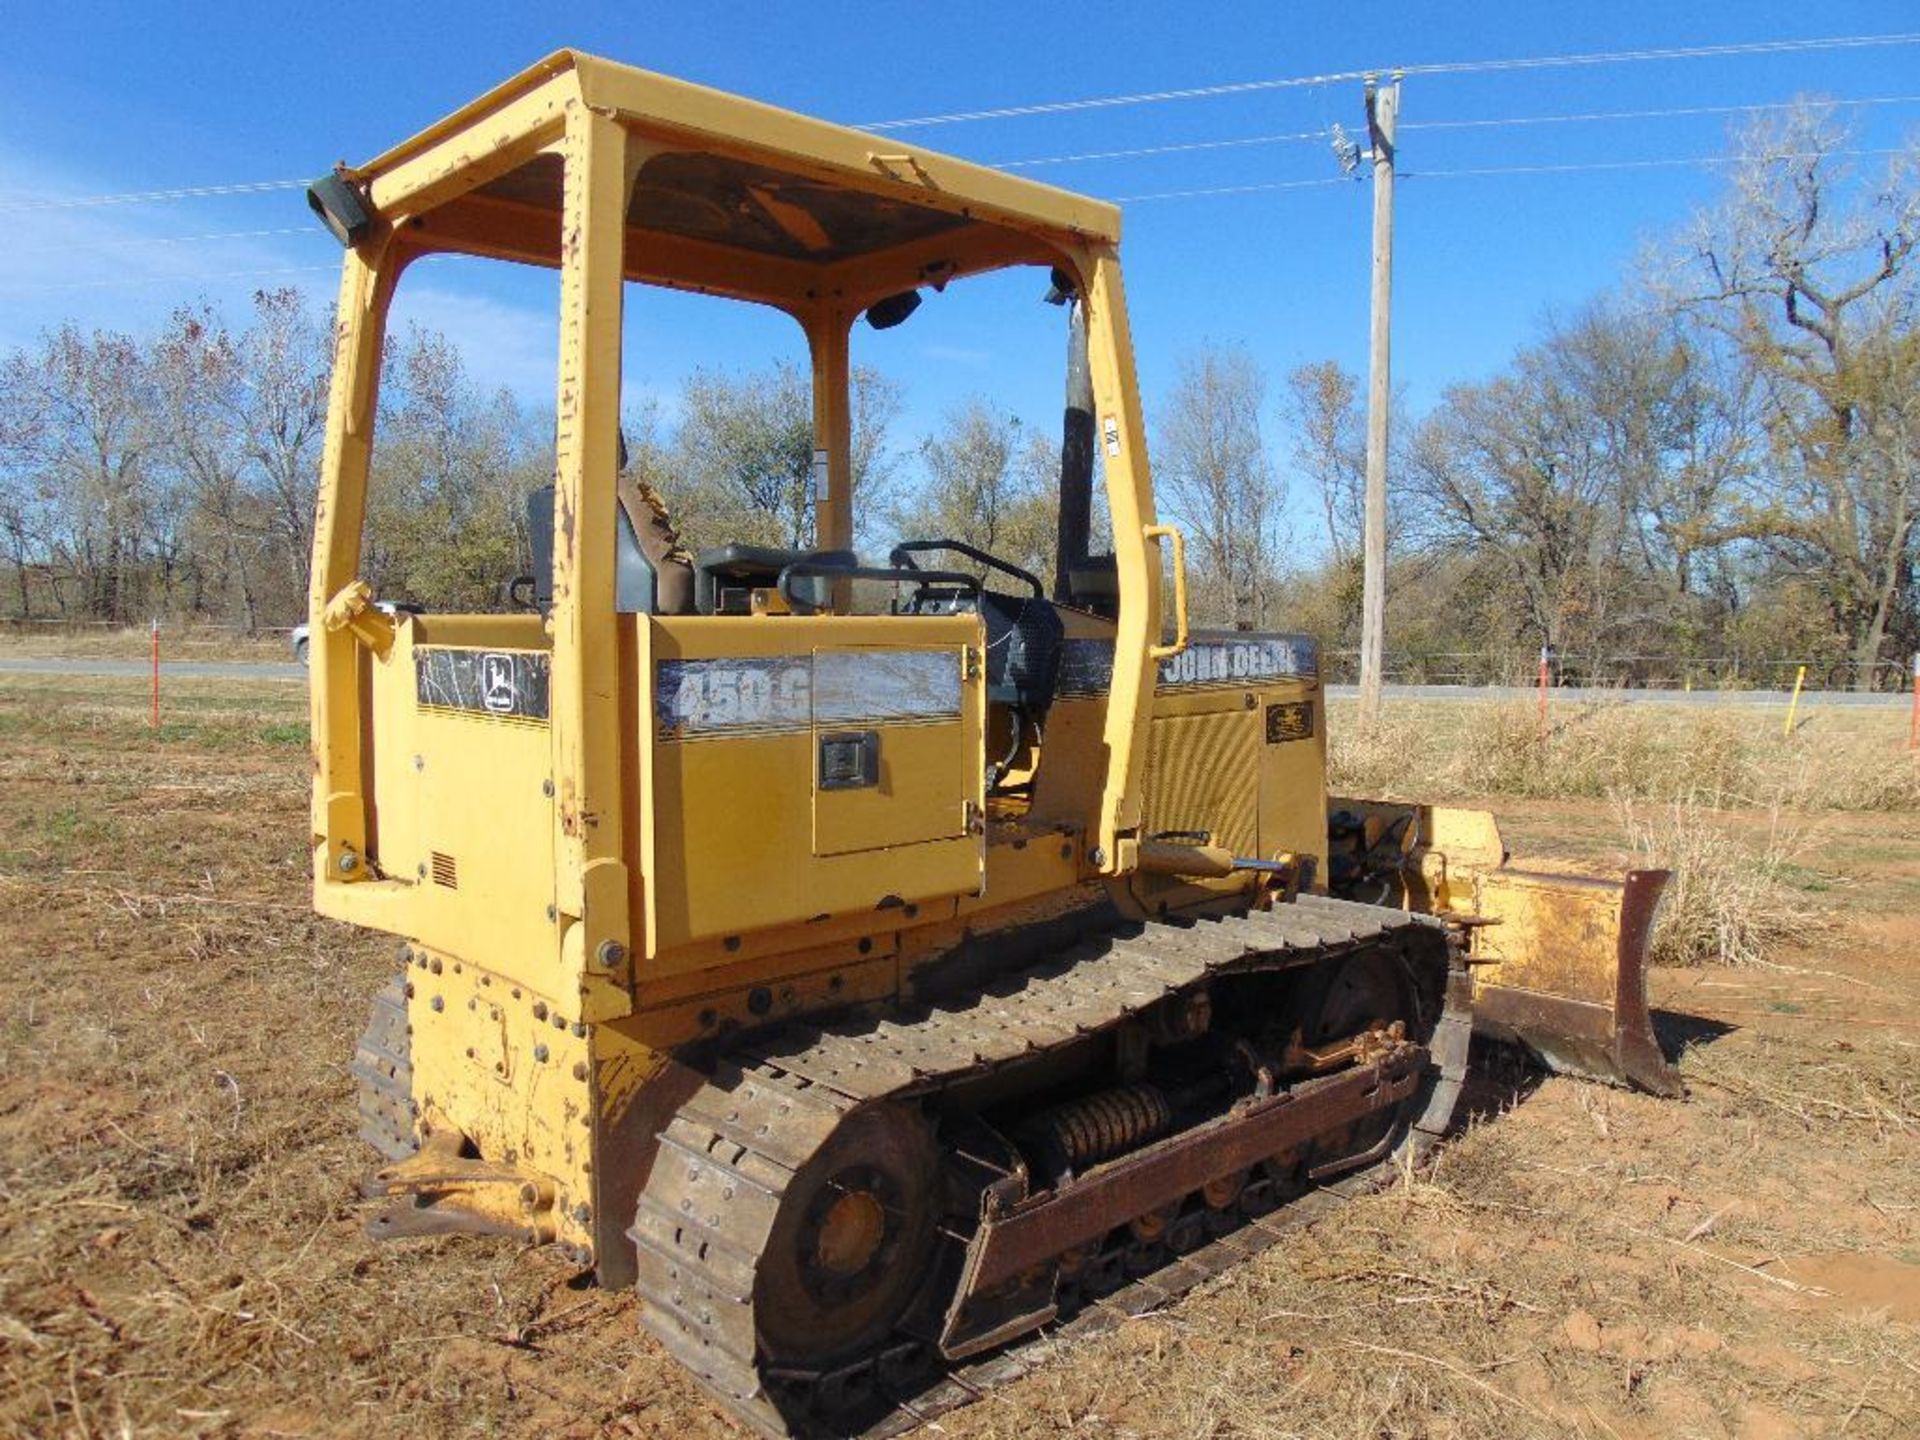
x=1293 y=772
x=922 y=794
x=749 y=833
x=388 y=732
x=486 y=833
x=734 y=823
x=923 y=778
x=1202 y=777
x=462 y=797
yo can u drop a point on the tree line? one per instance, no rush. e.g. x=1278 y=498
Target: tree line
x=1721 y=457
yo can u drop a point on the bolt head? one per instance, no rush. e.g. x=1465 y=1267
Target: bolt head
x=612 y=954
x=540 y=1053
x=348 y=862
x=1097 y=857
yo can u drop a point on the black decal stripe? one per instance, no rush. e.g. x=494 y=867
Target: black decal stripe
x=506 y=684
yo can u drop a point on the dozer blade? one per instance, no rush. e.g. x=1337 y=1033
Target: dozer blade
x=1564 y=972
x=1559 y=961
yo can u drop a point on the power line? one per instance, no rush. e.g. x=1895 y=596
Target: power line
x=1676 y=112
x=1232 y=190
x=1634 y=164
x=1480 y=171
x=1456 y=67
x=313 y=231
x=1181 y=149
x=1464 y=67
x=142 y=197
x=181 y=280
x=1257 y=187
x=1184 y=148
x=143 y=241
x=1497 y=122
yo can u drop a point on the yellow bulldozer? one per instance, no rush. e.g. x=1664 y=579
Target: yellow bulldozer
x=872 y=982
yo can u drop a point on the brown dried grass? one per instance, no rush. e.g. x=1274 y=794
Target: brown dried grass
x=135 y=642
x=1729 y=901
x=1718 y=756
x=180 y=1252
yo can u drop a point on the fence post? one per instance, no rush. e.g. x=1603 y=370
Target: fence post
x=1913 y=725
x=1546 y=661
x=153 y=722
x=1793 y=706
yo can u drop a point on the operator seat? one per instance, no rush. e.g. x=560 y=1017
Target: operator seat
x=658 y=543
x=652 y=571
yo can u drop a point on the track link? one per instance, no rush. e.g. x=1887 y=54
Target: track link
x=728 y=1155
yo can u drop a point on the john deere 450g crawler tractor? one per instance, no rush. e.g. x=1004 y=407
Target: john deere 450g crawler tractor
x=868 y=989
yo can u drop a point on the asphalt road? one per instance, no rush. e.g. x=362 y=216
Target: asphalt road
x=247 y=670
x=169 y=669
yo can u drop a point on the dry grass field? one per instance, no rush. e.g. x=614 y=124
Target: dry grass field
x=105 y=642
x=180 y=1252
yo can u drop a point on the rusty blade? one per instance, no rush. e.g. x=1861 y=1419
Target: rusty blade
x=1565 y=973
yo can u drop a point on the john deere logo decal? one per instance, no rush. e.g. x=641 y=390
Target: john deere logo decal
x=511 y=684
x=498 y=692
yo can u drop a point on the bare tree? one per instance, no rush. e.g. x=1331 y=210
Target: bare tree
x=1597 y=473
x=449 y=482
x=987 y=484
x=1807 y=274
x=285 y=359
x=197 y=381
x=1321 y=405
x=1219 y=482
x=1511 y=470
x=743 y=457
x=80 y=434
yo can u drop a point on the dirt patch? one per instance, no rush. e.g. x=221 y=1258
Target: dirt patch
x=1860 y=1284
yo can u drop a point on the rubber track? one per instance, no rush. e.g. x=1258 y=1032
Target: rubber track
x=731 y=1149
x=383 y=1066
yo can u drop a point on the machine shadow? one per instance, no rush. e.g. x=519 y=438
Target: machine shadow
x=1678 y=1032
x=1502 y=1076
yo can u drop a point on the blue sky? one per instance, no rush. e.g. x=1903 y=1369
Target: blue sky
x=107 y=98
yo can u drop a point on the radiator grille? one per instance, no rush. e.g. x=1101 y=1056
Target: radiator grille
x=445 y=871
x=1203 y=775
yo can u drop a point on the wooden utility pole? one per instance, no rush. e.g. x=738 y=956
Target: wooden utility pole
x=1383 y=108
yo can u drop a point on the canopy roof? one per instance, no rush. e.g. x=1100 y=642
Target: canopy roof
x=730 y=195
